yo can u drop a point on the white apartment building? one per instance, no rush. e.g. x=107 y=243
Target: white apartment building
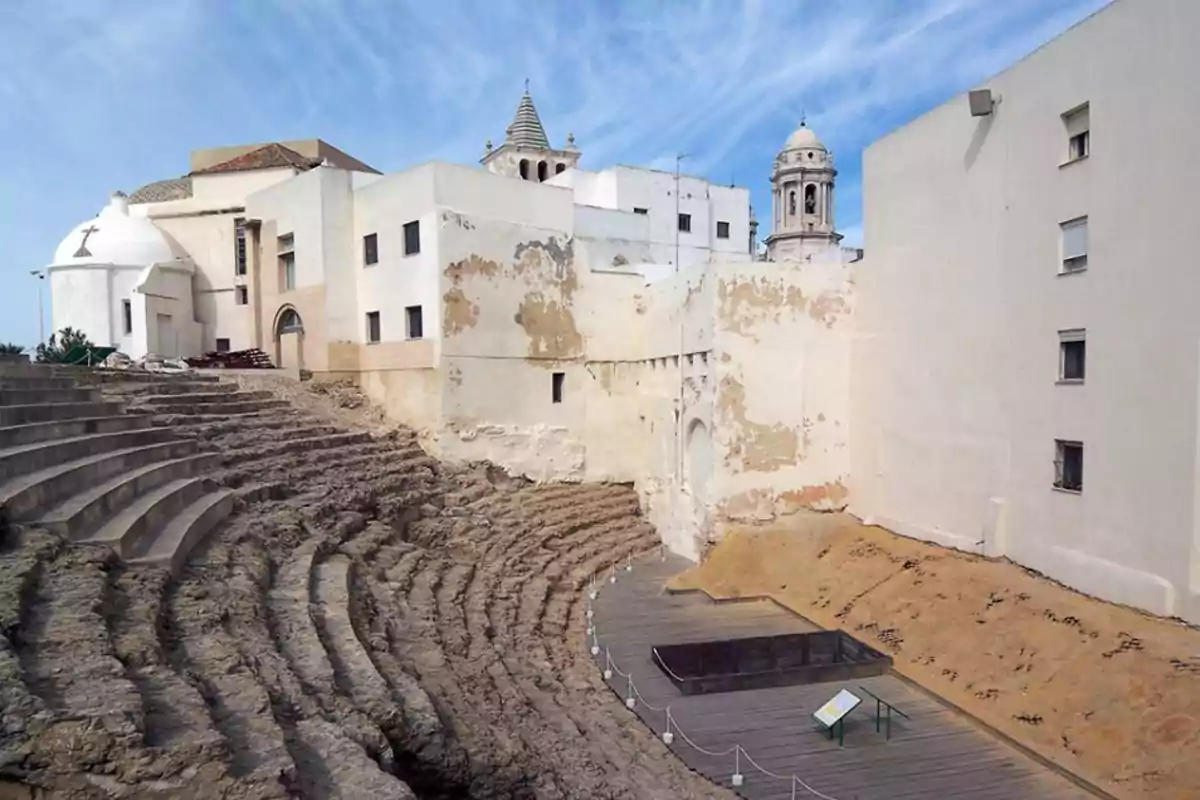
x=1026 y=372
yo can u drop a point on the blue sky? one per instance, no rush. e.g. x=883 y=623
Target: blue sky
x=100 y=95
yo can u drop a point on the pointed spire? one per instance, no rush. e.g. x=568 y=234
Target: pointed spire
x=526 y=129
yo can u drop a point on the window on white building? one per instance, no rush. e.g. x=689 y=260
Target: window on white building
x=372 y=327
x=642 y=211
x=1068 y=465
x=371 y=249
x=286 y=248
x=722 y=230
x=685 y=223
x=1074 y=245
x=1072 y=355
x=523 y=168
x=1078 y=125
x=412 y=238
x=222 y=345
x=543 y=171
x=557 y=379
x=127 y=314
x=239 y=249
x=241 y=295
x=559 y=168
x=416 y=325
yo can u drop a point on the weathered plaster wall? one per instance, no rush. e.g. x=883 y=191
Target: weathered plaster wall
x=508 y=293
x=782 y=369
x=209 y=240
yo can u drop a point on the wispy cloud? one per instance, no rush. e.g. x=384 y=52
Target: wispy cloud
x=108 y=94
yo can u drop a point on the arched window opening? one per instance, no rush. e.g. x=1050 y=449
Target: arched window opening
x=792 y=203
x=524 y=167
x=543 y=171
x=289 y=322
x=559 y=168
x=810 y=199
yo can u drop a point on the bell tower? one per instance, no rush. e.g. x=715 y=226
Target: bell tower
x=526 y=152
x=802 y=184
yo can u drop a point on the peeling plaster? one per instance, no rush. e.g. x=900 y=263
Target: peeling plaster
x=461 y=220
x=764 y=505
x=458 y=313
x=759 y=447
x=550 y=327
x=456 y=271
x=535 y=256
x=745 y=303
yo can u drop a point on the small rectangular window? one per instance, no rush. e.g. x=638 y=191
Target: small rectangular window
x=642 y=211
x=222 y=345
x=371 y=249
x=285 y=247
x=1078 y=125
x=685 y=223
x=372 y=327
x=239 y=249
x=556 y=386
x=289 y=271
x=415 y=323
x=1068 y=465
x=412 y=238
x=1072 y=355
x=241 y=295
x=127 y=313
x=722 y=230
x=1074 y=245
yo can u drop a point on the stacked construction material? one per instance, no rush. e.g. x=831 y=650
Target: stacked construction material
x=232 y=359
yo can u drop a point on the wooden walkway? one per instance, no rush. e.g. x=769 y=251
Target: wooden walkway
x=937 y=753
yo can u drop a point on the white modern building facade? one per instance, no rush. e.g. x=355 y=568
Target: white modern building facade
x=1026 y=375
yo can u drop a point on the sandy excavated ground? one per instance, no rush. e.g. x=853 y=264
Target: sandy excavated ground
x=387 y=626
x=1109 y=693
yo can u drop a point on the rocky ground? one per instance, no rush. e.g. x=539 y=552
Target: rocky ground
x=370 y=623
x=1107 y=692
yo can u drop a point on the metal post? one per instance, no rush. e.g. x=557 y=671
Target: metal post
x=37 y=273
x=679 y=430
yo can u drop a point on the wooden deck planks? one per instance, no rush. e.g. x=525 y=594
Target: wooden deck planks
x=937 y=753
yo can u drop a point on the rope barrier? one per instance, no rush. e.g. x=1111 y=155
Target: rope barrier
x=633 y=696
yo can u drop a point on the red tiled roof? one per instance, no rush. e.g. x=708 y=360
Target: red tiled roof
x=271 y=156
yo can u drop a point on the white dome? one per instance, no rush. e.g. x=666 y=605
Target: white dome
x=114 y=237
x=803 y=137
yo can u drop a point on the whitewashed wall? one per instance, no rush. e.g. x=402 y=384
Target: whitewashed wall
x=956 y=406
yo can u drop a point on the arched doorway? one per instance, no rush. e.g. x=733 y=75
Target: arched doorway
x=289 y=339
x=698 y=466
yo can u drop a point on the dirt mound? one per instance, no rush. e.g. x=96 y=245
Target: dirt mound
x=384 y=626
x=1107 y=692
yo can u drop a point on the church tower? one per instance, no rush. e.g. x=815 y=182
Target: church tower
x=802 y=199
x=526 y=151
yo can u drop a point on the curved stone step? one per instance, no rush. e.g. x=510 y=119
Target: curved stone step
x=24 y=497
x=351 y=660
x=36 y=383
x=170 y=388
x=47 y=412
x=166 y=401
x=28 y=396
x=187 y=529
x=40 y=455
x=221 y=409
x=130 y=530
x=86 y=511
x=17 y=435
